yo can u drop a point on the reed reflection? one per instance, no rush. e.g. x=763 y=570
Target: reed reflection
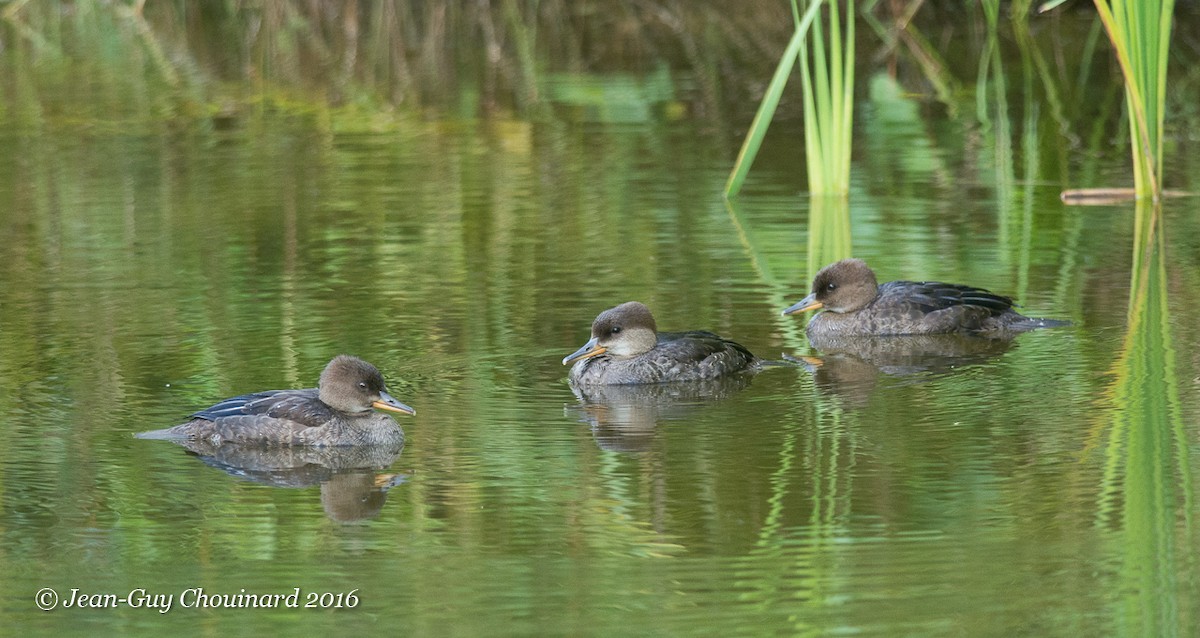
x=828 y=232
x=1147 y=481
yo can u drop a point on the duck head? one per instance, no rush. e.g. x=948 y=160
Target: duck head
x=625 y=331
x=349 y=384
x=843 y=286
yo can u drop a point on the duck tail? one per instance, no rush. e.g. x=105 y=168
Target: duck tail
x=1036 y=323
x=788 y=361
x=167 y=434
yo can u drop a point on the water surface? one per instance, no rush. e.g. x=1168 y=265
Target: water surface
x=1039 y=487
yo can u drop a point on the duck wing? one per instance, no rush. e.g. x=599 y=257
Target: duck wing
x=931 y=296
x=697 y=345
x=715 y=354
x=299 y=406
x=932 y=307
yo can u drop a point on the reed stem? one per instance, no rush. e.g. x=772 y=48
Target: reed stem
x=828 y=87
x=1140 y=32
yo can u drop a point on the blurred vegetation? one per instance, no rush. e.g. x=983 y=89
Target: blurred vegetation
x=485 y=55
x=491 y=54
x=93 y=64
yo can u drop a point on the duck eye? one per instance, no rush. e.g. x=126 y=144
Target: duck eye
x=831 y=287
x=615 y=329
x=362 y=384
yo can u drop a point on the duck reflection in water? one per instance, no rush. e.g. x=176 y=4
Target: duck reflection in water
x=849 y=368
x=353 y=488
x=625 y=418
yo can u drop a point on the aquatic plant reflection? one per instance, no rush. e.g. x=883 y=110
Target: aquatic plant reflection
x=828 y=232
x=1147 y=481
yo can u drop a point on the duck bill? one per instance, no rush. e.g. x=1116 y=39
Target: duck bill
x=804 y=305
x=389 y=403
x=589 y=349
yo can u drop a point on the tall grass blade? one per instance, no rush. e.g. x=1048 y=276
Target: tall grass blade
x=827 y=81
x=770 y=101
x=1140 y=32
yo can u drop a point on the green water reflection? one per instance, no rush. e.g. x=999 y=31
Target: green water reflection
x=1148 y=478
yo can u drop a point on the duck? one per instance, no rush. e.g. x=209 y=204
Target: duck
x=626 y=348
x=338 y=412
x=853 y=304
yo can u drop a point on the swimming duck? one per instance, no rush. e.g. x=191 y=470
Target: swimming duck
x=626 y=348
x=855 y=305
x=337 y=412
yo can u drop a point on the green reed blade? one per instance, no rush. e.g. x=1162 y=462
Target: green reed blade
x=1140 y=32
x=770 y=101
x=827 y=82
